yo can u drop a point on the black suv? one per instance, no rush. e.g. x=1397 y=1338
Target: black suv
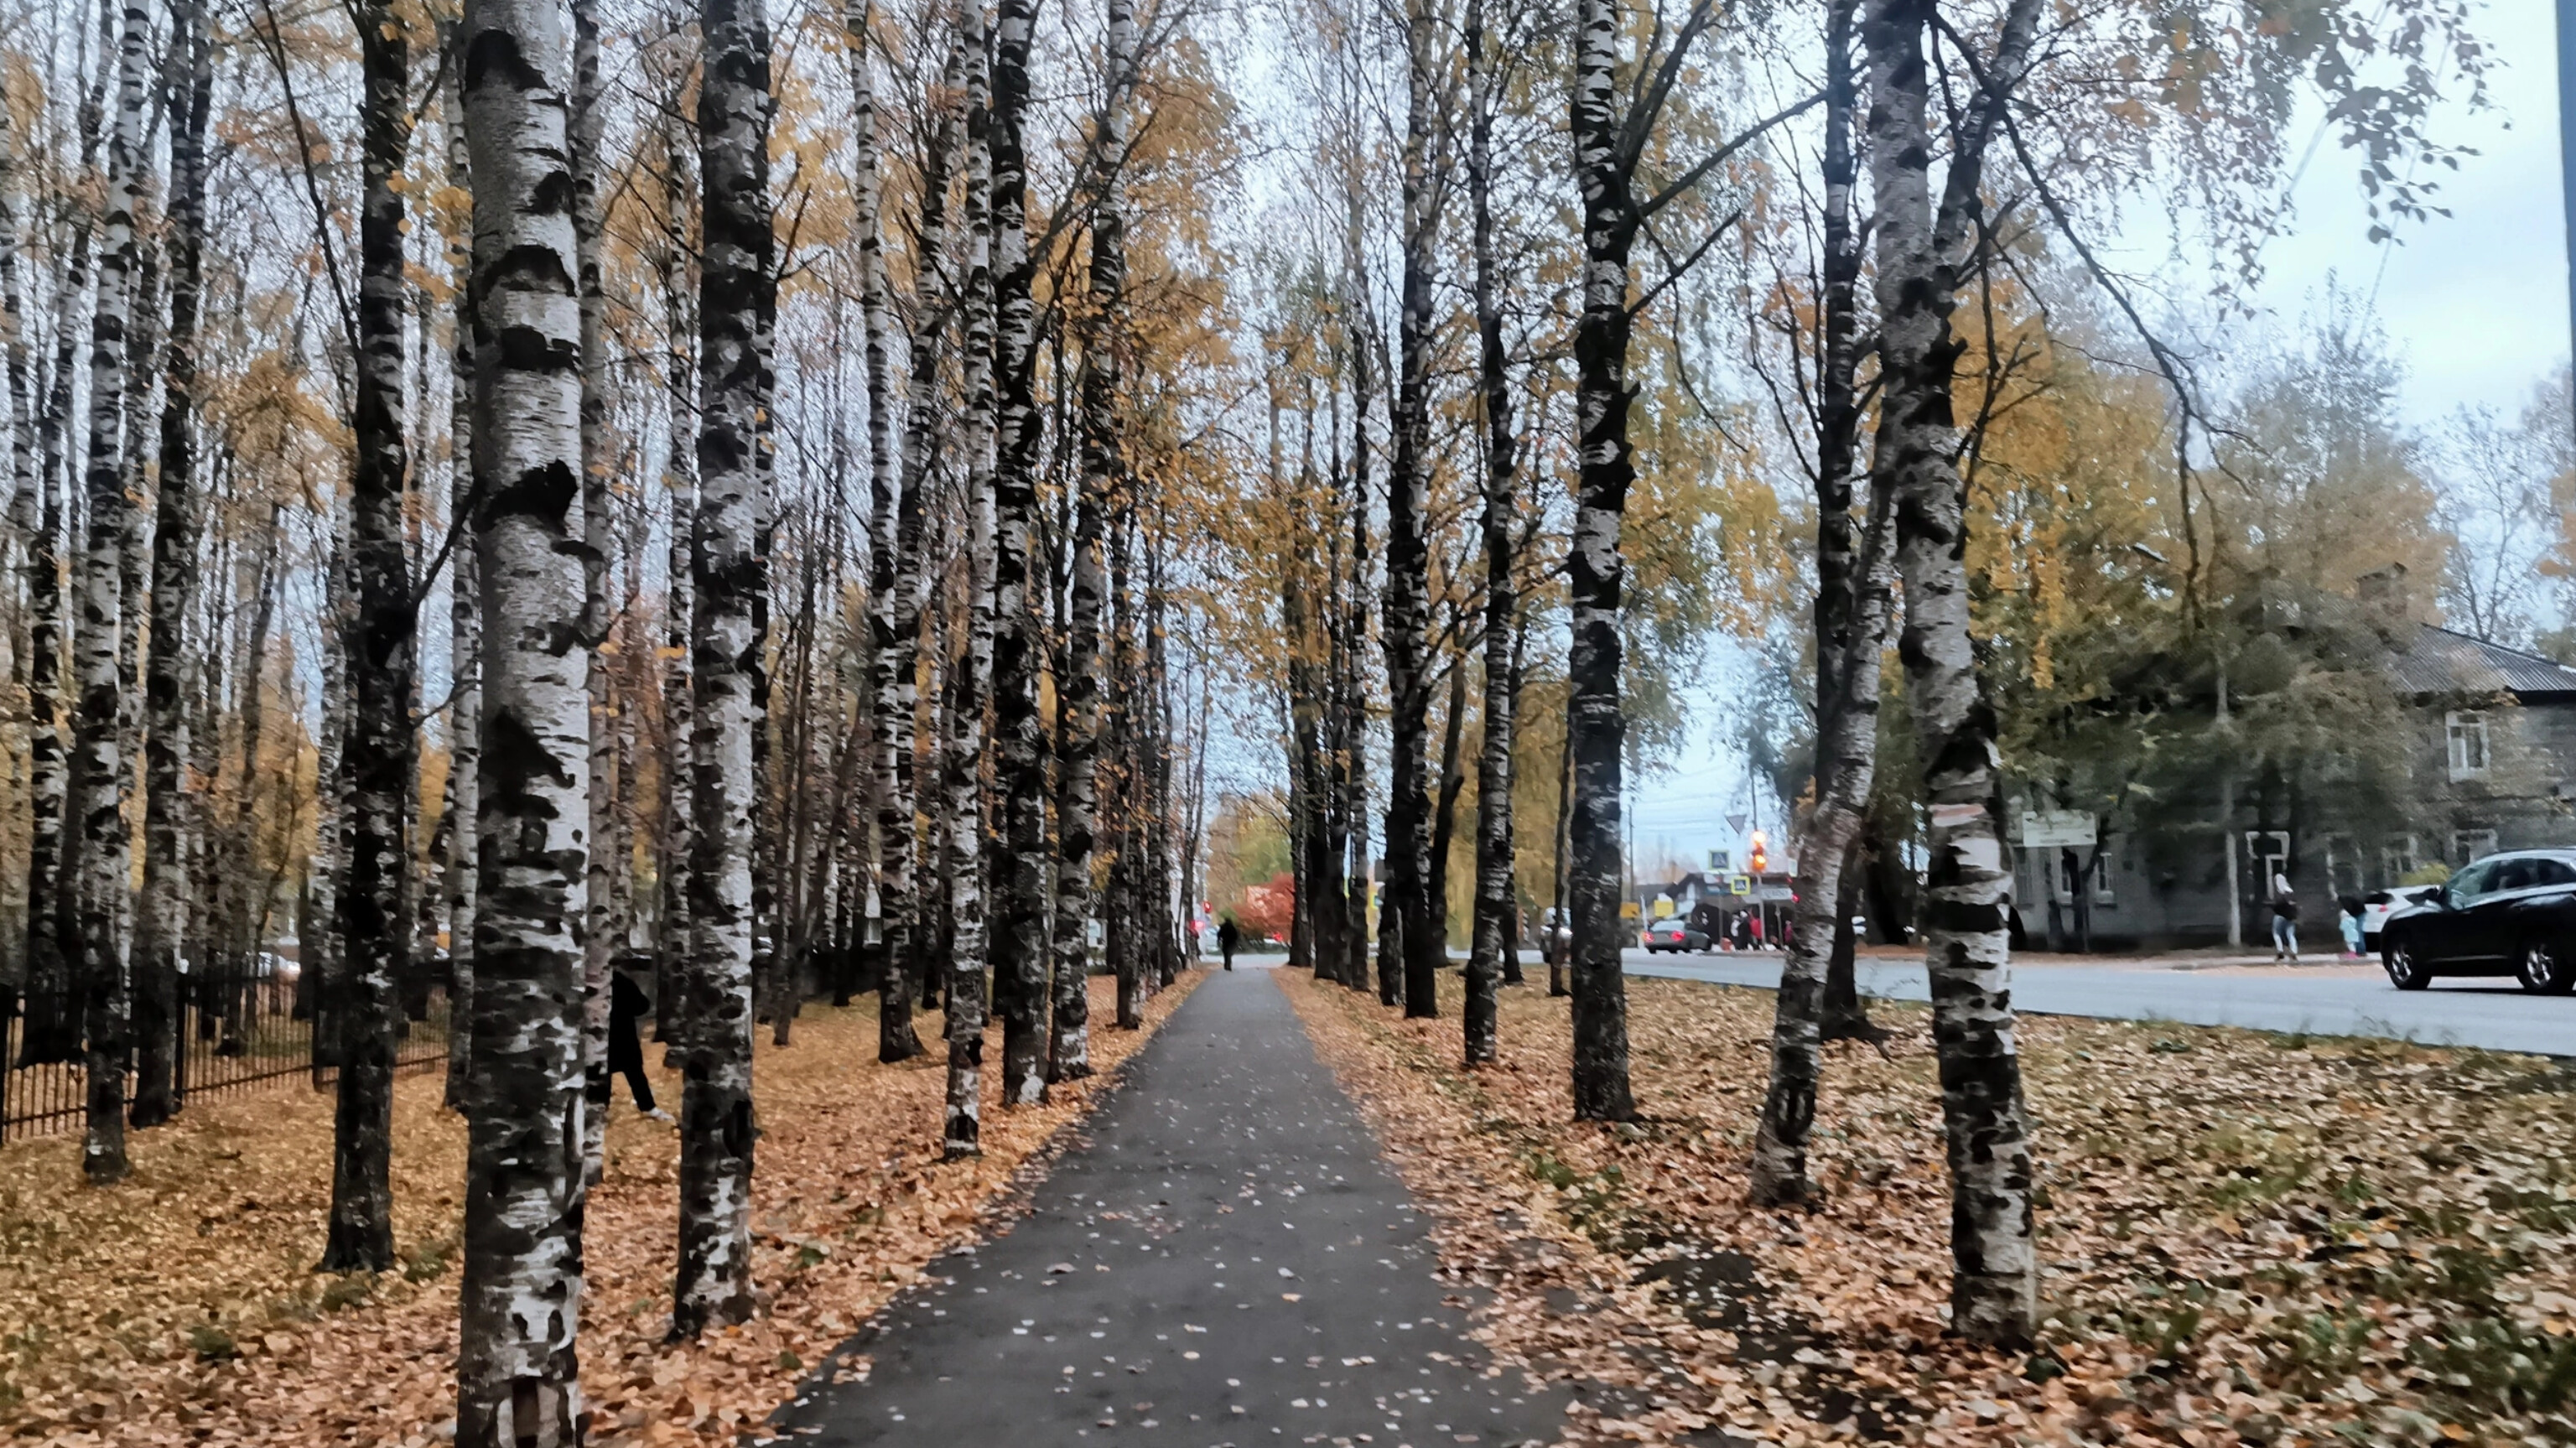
x=2505 y=915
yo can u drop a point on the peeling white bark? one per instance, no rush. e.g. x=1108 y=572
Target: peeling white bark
x=520 y=1301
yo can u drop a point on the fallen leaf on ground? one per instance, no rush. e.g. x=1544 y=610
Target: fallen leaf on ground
x=181 y=1307
x=2262 y=1239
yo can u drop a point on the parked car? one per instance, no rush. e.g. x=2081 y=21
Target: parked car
x=2378 y=905
x=2504 y=915
x=1675 y=936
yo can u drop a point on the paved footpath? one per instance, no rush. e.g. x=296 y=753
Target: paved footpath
x=1224 y=1261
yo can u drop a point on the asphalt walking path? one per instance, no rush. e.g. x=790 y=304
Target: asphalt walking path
x=1224 y=1260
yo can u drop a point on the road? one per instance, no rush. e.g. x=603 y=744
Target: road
x=2493 y=1013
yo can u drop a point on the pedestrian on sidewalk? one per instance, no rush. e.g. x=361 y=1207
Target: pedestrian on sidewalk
x=1227 y=938
x=2285 y=919
x=2352 y=940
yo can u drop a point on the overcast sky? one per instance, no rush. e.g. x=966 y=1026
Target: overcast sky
x=2476 y=303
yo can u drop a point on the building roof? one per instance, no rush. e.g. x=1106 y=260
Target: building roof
x=2442 y=662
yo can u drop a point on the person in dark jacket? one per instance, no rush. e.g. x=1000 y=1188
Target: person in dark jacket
x=1228 y=938
x=628 y=1004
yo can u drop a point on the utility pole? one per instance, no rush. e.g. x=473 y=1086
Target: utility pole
x=2227 y=804
x=2567 y=145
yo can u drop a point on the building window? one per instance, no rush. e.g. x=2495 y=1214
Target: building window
x=2468 y=734
x=2472 y=845
x=2398 y=858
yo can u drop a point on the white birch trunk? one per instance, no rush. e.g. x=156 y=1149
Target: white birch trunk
x=171 y=817
x=97 y=767
x=465 y=612
x=1596 y=731
x=962 y=1133
x=730 y=577
x=680 y=484
x=518 y=1382
x=1493 y=907
x=1019 y=936
x=1078 y=817
x=373 y=930
x=599 y=541
x=1966 y=940
x=897 y=646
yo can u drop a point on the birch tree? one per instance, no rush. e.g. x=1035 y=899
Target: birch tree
x=1966 y=940
x=374 y=933
x=465 y=610
x=971 y=676
x=1850 y=621
x=896 y=591
x=1078 y=750
x=1493 y=907
x=1422 y=942
x=894 y=1034
x=598 y=543
x=518 y=1381
x=99 y=872
x=1615 y=112
x=52 y=1031
x=161 y=922
x=1019 y=943
x=1352 y=706
x=1605 y=162
x=730 y=578
x=676 y=267
x=34 y=519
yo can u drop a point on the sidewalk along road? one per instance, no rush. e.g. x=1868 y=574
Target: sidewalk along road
x=2491 y=1013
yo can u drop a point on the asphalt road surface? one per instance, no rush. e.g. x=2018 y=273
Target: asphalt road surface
x=2490 y=1013
x=1222 y=1261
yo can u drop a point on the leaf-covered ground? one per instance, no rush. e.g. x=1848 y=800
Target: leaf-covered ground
x=2247 y=1238
x=182 y=1307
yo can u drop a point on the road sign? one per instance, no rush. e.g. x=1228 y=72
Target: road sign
x=1735 y=823
x=1739 y=884
x=2056 y=828
x=1628 y=910
x=1717 y=862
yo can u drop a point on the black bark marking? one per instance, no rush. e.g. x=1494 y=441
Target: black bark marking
x=543 y=494
x=496 y=54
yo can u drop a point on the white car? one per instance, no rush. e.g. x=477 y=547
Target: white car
x=2378 y=905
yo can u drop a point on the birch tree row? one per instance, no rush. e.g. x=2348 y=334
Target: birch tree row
x=1588 y=333
x=658 y=510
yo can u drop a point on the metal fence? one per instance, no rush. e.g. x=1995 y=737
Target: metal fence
x=238 y=1030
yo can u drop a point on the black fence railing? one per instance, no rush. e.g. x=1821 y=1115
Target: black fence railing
x=237 y=1030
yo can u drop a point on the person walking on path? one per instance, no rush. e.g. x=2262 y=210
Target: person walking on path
x=2285 y=919
x=1227 y=938
x=2351 y=921
x=628 y=1004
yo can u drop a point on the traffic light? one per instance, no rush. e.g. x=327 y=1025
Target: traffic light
x=1759 y=859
